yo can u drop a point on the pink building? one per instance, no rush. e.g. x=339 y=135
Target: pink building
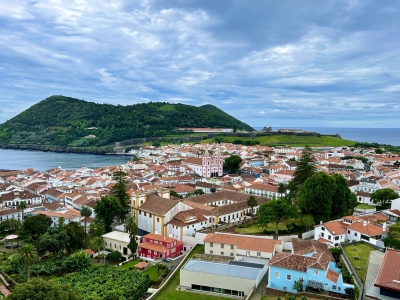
x=206 y=166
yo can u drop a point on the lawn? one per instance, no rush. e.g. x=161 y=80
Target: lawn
x=362 y=251
x=365 y=206
x=292 y=140
x=152 y=272
x=132 y=264
x=169 y=291
x=255 y=229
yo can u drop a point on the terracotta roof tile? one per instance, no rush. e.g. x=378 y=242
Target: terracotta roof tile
x=389 y=272
x=332 y=275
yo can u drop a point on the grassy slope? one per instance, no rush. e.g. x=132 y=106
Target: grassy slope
x=362 y=251
x=293 y=141
x=169 y=292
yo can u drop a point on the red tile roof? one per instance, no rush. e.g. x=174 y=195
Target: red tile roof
x=389 y=273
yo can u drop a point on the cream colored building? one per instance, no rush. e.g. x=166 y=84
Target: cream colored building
x=118 y=241
x=234 y=245
x=233 y=278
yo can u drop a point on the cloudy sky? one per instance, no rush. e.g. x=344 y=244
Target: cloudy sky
x=290 y=63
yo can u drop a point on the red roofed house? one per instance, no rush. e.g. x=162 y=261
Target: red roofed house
x=388 y=279
x=155 y=246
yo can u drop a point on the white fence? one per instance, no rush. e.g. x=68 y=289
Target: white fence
x=308 y=235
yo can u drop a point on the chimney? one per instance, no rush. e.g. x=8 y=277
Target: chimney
x=320 y=222
x=365 y=223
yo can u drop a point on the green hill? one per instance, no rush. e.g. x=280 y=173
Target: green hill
x=65 y=121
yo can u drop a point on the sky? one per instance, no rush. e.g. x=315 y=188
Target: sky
x=290 y=63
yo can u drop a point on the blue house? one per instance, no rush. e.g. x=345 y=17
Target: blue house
x=310 y=261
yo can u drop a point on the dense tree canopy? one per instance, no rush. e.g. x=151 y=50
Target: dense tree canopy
x=232 y=164
x=76 y=234
x=38 y=289
x=325 y=197
x=107 y=209
x=275 y=211
x=65 y=121
x=384 y=196
x=36 y=225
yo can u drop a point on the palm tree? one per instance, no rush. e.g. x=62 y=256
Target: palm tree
x=27 y=256
x=131 y=226
x=22 y=206
x=96 y=244
x=86 y=212
x=252 y=201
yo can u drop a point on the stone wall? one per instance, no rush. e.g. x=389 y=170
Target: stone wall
x=269 y=292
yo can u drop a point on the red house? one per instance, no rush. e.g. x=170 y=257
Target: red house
x=157 y=246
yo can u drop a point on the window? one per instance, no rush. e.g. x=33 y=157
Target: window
x=149 y=251
x=348 y=231
x=336 y=238
x=222 y=246
x=232 y=254
x=355 y=234
x=322 y=234
x=211 y=252
x=323 y=228
x=289 y=277
x=211 y=244
x=158 y=220
x=316 y=272
x=277 y=275
x=329 y=237
x=144 y=213
x=247 y=253
x=333 y=287
x=285 y=288
x=149 y=215
x=115 y=245
x=222 y=252
x=258 y=254
x=232 y=247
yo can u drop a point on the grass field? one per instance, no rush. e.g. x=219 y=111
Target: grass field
x=292 y=140
x=362 y=251
x=132 y=264
x=255 y=229
x=169 y=292
x=365 y=206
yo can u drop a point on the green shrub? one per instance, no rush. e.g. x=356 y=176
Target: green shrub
x=114 y=256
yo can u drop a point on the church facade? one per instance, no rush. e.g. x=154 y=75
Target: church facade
x=208 y=165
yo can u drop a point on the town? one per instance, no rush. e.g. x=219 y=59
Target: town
x=212 y=221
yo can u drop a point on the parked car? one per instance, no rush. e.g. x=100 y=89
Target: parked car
x=167 y=260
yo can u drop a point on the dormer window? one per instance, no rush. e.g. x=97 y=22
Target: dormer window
x=323 y=228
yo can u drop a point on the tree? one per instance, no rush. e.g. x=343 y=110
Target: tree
x=213 y=190
x=275 y=211
x=252 y=202
x=282 y=188
x=86 y=212
x=37 y=225
x=298 y=285
x=383 y=196
x=305 y=169
x=114 y=256
x=96 y=229
x=53 y=241
x=175 y=194
x=26 y=257
x=10 y=224
x=38 y=289
x=159 y=267
x=119 y=189
x=343 y=200
x=315 y=196
x=232 y=164
x=61 y=222
x=131 y=226
x=106 y=210
x=22 y=206
x=156 y=143
x=76 y=235
x=78 y=261
x=133 y=245
x=96 y=244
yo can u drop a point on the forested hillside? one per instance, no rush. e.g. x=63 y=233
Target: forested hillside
x=65 y=121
